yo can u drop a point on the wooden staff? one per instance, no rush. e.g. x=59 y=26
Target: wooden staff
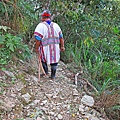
x=40 y=67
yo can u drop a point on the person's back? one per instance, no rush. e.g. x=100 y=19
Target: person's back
x=49 y=42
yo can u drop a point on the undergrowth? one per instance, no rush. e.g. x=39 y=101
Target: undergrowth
x=11 y=46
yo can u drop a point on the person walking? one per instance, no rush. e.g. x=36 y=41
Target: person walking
x=49 y=42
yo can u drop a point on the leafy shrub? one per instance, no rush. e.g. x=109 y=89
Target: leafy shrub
x=12 y=46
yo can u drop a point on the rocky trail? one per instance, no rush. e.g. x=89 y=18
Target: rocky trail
x=23 y=98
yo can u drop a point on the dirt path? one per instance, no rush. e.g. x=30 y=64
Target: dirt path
x=23 y=98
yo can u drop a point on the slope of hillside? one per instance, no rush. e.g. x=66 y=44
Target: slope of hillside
x=24 y=98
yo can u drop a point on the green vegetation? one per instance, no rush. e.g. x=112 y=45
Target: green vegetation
x=2 y=86
x=91 y=31
x=11 y=45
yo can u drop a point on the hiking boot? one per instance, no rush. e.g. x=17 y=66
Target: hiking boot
x=53 y=72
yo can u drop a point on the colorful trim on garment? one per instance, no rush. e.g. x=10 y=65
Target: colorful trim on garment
x=38 y=38
x=38 y=34
x=60 y=35
x=41 y=52
x=51 y=41
x=51 y=38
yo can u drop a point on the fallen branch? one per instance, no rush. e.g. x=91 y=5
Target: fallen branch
x=90 y=85
x=86 y=83
x=76 y=78
x=86 y=90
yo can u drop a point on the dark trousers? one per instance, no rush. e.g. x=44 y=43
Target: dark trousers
x=53 y=68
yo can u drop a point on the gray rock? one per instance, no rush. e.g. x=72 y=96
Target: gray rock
x=56 y=118
x=26 y=97
x=34 y=78
x=60 y=117
x=75 y=92
x=48 y=95
x=87 y=108
x=87 y=100
x=9 y=73
x=29 y=119
x=55 y=96
x=81 y=110
x=44 y=102
x=13 y=95
x=36 y=101
x=51 y=113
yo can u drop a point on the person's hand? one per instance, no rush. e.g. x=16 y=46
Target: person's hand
x=62 y=49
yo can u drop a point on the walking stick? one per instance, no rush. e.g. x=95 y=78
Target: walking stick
x=40 y=66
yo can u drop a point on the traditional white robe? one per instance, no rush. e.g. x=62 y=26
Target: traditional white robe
x=50 y=34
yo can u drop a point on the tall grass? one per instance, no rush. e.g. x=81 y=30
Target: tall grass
x=103 y=73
